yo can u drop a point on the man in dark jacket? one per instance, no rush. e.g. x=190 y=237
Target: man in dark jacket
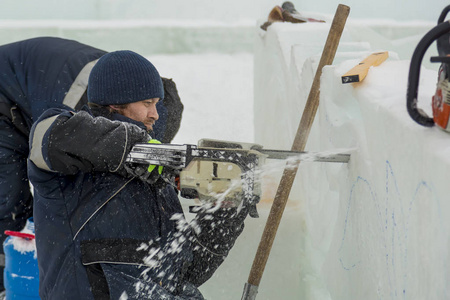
x=35 y=75
x=102 y=230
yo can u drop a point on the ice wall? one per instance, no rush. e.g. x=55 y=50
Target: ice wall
x=177 y=26
x=376 y=228
x=227 y=11
x=147 y=37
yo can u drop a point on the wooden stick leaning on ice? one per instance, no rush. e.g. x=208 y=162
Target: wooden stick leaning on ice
x=287 y=179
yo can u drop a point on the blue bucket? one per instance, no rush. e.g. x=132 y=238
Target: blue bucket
x=21 y=274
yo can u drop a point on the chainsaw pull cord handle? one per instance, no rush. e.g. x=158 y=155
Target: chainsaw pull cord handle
x=443 y=14
x=416 y=113
x=443 y=43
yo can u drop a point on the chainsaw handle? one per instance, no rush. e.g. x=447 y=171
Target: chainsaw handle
x=443 y=14
x=416 y=113
x=443 y=43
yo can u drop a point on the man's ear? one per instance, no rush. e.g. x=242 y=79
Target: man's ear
x=113 y=106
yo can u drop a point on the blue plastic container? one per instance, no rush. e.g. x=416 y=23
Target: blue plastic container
x=21 y=274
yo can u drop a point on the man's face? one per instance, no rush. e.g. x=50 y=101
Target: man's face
x=142 y=111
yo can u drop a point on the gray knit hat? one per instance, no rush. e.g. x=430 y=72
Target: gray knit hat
x=122 y=77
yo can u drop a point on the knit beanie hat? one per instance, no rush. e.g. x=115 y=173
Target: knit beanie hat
x=122 y=77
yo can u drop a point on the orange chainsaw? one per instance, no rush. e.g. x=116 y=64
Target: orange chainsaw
x=441 y=99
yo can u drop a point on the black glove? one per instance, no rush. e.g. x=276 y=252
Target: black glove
x=152 y=174
x=157 y=175
x=141 y=171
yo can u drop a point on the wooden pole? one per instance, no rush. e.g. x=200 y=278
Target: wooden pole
x=287 y=179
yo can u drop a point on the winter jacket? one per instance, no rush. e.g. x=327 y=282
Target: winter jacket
x=35 y=74
x=44 y=72
x=170 y=110
x=101 y=233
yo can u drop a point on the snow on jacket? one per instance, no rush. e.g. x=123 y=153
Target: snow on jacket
x=101 y=233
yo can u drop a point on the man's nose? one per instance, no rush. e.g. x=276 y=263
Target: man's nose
x=153 y=113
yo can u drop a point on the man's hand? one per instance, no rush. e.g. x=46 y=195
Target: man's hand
x=151 y=168
x=149 y=174
x=153 y=174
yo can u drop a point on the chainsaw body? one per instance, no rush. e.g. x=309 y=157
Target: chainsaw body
x=213 y=172
x=441 y=100
x=227 y=176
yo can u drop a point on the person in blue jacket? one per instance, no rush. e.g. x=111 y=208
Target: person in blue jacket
x=35 y=75
x=108 y=229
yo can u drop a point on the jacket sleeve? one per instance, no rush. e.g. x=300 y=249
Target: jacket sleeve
x=66 y=142
x=215 y=233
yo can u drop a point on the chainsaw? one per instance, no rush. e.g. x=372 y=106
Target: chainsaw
x=441 y=99
x=220 y=171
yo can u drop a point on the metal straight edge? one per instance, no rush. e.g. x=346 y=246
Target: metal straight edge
x=307 y=156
